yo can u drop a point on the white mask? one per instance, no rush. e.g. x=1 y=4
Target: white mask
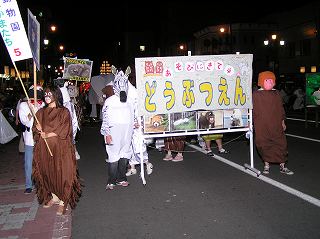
x=48 y=97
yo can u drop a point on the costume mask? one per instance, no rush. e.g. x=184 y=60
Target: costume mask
x=32 y=101
x=39 y=92
x=48 y=97
x=266 y=80
x=268 y=84
x=120 y=83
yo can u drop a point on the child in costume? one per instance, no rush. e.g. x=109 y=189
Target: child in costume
x=137 y=139
x=269 y=123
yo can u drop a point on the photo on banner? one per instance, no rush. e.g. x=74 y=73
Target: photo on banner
x=235 y=118
x=210 y=119
x=183 y=121
x=157 y=123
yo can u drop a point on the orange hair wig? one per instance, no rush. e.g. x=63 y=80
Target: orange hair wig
x=266 y=75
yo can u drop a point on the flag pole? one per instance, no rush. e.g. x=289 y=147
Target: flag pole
x=32 y=109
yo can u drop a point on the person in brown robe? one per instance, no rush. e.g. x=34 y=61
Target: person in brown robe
x=174 y=144
x=56 y=177
x=269 y=123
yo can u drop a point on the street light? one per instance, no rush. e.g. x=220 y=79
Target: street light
x=46 y=42
x=274 y=45
x=53 y=28
x=182 y=49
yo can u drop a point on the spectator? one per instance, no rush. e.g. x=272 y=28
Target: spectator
x=26 y=118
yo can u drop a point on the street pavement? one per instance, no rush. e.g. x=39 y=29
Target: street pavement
x=200 y=197
x=21 y=216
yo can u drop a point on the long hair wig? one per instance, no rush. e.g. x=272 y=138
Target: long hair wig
x=56 y=94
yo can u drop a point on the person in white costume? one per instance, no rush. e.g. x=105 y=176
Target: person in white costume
x=117 y=129
x=137 y=137
x=70 y=106
x=26 y=118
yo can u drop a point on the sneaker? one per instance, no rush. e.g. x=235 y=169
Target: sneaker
x=286 y=171
x=149 y=168
x=266 y=170
x=131 y=171
x=223 y=151
x=210 y=153
x=168 y=157
x=110 y=186
x=123 y=183
x=178 y=158
x=28 y=191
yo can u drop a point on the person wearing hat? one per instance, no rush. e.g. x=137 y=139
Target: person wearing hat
x=27 y=119
x=269 y=123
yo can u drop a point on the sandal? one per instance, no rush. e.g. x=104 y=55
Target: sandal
x=266 y=170
x=210 y=153
x=61 y=210
x=223 y=151
x=50 y=204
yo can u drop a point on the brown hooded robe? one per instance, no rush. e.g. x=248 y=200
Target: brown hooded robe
x=268 y=114
x=56 y=174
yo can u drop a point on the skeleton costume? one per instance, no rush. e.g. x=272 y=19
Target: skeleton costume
x=118 y=123
x=137 y=137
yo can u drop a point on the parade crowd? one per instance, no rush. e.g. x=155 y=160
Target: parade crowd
x=49 y=120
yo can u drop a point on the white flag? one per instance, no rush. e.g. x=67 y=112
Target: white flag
x=13 y=31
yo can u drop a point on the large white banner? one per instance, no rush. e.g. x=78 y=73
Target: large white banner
x=189 y=83
x=13 y=31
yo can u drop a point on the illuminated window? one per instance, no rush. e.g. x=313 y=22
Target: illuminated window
x=142 y=48
x=313 y=69
x=302 y=69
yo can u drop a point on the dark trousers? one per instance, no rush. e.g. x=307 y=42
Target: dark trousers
x=117 y=171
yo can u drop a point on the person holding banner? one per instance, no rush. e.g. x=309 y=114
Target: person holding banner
x=27 y=120
x=174 y=144
x=269 y=123
x=137 y=139
x=56 y=176
x=218 y=138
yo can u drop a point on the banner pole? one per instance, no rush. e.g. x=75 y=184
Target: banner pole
x=32 y=110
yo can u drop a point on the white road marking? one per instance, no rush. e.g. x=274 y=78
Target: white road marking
x=301 y=137
x=275 y=183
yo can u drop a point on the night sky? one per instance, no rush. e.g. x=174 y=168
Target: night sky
x=91 y=30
